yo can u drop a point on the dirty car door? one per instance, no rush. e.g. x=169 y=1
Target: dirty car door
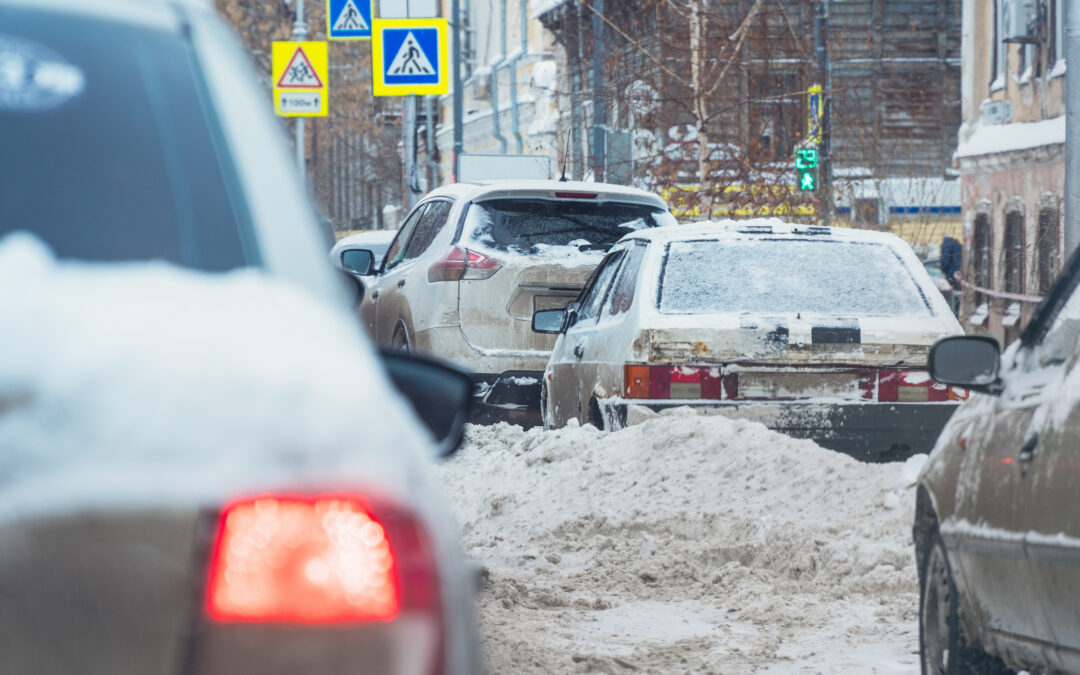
x=383 y=295
x=568 y=373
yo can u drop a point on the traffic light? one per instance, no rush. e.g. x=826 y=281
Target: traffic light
x=806 y=162
x=807 y=181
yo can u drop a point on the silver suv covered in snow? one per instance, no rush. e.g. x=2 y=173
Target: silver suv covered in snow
x=474 y=261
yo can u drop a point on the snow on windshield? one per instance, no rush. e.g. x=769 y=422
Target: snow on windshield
x=551 y=228
x=141 y=382
x=686 y=544
x=787 y=276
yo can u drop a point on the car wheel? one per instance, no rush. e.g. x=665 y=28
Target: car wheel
x=400 y=340
x=943 y=649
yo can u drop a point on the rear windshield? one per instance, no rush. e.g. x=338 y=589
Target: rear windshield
x=534 y=226
x=110 y=149
x=787 y=276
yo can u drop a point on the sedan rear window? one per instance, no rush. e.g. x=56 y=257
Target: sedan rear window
x=533 y=226
x=110 y=148
x=787 y=276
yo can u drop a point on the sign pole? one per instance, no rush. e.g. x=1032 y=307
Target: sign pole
x=299 y=33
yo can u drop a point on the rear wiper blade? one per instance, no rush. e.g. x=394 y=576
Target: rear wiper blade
x=593 y=247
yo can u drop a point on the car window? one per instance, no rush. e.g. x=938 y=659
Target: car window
x=396 y=253
x=1061 y=340
x=788 y=276
x=111 y=150
x=594 y=295
x=426 y=230
x=536 y=226
x=622 y=294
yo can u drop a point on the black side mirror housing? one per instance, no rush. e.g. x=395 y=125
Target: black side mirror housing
x=441 y=395
x=359 y=261
x=969 y=361
x=549 y=321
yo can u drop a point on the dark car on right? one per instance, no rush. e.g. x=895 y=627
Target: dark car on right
x=997 y=526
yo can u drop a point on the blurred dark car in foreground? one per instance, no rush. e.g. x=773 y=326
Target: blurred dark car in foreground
x=204 y=467
x=997 y=527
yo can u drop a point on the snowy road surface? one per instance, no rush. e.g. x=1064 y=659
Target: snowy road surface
x=686 y=544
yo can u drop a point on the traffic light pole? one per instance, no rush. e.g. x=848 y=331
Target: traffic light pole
x=824 y=186
x=459 y=133
x=299 y=32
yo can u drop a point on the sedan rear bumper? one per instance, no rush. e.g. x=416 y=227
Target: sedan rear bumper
x=870 y=432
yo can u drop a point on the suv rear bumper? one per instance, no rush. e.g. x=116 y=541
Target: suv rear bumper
x=871 y=432
x=512 y=396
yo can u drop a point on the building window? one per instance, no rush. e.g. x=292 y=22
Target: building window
x=1055 y=55
x=980 y=257
x=776 y=114
x=1046 y=246
x=1013 y=252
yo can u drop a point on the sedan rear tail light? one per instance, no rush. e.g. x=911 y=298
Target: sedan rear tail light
x=910 y=386
x=320 y=560
x=459 y=264
x=668 y=382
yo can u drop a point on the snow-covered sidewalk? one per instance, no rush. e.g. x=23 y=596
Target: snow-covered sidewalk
x=686 y=544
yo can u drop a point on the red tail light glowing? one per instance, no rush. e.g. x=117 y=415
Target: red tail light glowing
x=328 y=559
x=462 y=264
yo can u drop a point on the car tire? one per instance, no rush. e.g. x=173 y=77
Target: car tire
x=400 y=341
x=943 y=648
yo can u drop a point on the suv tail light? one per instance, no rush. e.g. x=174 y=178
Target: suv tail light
x=913 y=386
x=320 y=560
x=461 y=264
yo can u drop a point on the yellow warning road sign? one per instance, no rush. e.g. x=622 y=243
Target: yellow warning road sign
x=300 y=84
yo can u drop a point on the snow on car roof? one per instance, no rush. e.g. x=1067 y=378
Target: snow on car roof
x=762 y=227
x=604 y=191
x=145 y=383
x=367 y=237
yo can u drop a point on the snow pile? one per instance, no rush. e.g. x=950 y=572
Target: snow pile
x=130 y=382
x=686 y=543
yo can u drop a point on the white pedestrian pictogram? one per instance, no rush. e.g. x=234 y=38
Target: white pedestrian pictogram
x=299 y=74
x=350 y=18
x=410 y=59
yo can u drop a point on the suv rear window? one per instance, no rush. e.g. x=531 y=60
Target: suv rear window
x=110 y=147
x=534 y=226
x=787 y=276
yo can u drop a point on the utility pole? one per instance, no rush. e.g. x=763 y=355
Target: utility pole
x=821 y=29
x=299 y=32
x=459 y=141
x=599 y=113
x=1072 y=129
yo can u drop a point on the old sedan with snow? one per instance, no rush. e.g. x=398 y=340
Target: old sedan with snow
x=818 y=332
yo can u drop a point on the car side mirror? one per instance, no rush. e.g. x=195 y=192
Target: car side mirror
x=440 y=394
x=359 y=261
x=549 y=321
x=969 y=361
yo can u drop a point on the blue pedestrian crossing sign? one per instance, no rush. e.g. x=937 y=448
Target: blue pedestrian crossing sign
x=348 y=19
x=410 y=56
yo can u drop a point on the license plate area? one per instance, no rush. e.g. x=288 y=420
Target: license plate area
x=844 y=385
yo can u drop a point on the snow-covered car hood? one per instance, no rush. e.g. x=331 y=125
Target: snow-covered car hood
x=145 y=383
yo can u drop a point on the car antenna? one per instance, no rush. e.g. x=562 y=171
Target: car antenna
x=566 y=152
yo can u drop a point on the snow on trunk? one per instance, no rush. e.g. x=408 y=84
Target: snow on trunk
x=686 y=543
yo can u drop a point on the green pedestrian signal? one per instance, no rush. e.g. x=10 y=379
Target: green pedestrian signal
x=807 y=181
x=807 y=158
